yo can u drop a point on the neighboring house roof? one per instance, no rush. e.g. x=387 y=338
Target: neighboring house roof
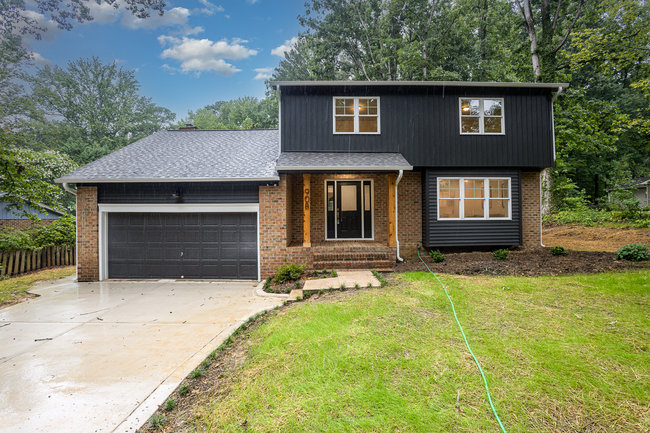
x=276 y=84
x=296 y=161
x=188 y=156
x=633 y=183
x=6 y=213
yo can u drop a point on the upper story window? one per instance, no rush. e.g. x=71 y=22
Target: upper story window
x=356 y=115
x=473 y=198
x=481 y=116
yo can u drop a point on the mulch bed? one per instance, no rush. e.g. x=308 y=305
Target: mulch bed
x=521 y=263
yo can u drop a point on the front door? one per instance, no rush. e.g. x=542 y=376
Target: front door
x=349 y=209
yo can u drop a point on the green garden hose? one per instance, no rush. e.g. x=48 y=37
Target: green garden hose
x=487 y=389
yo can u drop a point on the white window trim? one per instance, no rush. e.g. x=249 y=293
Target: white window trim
x=486 y=198
x=372 y=209
x=481 y=115
x=106 y=209
x=356 y=115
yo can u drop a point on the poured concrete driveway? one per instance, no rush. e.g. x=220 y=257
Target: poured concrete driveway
x=83 y=357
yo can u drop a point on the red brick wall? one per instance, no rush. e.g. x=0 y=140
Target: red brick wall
x=87 y=234
x=409 y=212
x=22 y=224
x=531 y=235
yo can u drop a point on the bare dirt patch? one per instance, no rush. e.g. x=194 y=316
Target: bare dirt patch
x=582 y=238
x=522 y=263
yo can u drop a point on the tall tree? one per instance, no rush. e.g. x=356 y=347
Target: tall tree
x=548 y=25
x=241 y=113
x=98 y=104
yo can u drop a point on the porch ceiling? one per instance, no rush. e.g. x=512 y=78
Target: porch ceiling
x=354 y=161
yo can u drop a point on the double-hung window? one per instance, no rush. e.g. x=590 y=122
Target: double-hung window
x=473 y=198
x=481 y=116
x=356 y=115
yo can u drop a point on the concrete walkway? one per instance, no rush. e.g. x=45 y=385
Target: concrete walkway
x=100 y=357
x=348 y=279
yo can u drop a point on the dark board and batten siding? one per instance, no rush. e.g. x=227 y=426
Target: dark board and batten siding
x=422 y=123
x=470 y=233
x=190 y=192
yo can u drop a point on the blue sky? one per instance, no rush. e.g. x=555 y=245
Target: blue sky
x=198 y=52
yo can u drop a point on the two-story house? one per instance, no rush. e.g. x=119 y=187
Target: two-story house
x=357 y=175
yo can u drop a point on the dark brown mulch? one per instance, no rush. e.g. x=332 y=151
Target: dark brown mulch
x=521 y=263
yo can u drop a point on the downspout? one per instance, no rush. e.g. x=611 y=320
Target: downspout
x=541 y=241
x=66 y=186
x=399 y=177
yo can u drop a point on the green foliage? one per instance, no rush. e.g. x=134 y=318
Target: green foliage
x=183 y=390
x=289 y=272
x=157 y=421
x=240 y=113
x=558 y=251
x=590 y=217
x=633 y=253
x=59 y=232
x=170 y=404
x=437 y=256
x=382 y=280
x=197 y=372
x=15 y=240
x=501 y=254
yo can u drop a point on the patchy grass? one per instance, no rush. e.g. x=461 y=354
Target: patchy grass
x=14 y=290
x=580 y=238
x=561 y=354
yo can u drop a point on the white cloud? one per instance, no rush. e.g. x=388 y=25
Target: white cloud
x=104 y=13
x=202 y=55
x=210 y=8
x=40 y=60
x=263 y=73
x=172 y=17
x=282 y=49
x=50 y=27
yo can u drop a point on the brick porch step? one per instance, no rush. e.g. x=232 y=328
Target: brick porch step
x=380 y=265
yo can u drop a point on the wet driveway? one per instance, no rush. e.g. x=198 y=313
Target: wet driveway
x=99 y=357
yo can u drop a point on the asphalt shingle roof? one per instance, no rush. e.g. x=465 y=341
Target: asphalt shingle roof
x=289 y=161
x=186 y=155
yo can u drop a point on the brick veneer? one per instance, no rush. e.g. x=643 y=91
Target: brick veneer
x=87 y=234
x=22 y=224
x=409 y=212
x=531 y=234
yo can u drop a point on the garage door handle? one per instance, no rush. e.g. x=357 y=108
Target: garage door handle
x=181 y=254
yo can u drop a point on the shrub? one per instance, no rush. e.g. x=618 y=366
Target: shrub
x=633 y=253
x=501 y=254
x=59 y=232
x=558 y=251
x=15 y=240
x=290 y=272
x=437 y=256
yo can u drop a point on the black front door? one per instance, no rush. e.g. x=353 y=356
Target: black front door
x=348 y=208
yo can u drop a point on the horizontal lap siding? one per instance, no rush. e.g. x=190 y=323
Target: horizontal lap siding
x=470 y=233
x=423 y=124
x=191 y=192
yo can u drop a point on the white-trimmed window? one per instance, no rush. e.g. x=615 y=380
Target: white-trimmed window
x=481 y=116
x=472 y=198
x=356 y=115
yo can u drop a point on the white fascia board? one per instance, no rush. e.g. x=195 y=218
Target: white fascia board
x=167 y=180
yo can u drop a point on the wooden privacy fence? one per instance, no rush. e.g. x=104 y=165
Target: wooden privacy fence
x=21 y=261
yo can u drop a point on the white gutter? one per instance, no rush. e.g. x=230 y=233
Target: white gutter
x=342 y=168
x=420 y=83
x=560 y=88
x=399 y=177
x=66 y=186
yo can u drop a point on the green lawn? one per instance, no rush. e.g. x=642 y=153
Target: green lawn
x=561 y=354
x=14 y=289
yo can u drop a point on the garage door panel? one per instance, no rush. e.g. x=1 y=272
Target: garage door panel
x=213 y=245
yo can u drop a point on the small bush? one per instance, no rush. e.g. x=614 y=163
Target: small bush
x=437 y=256
x=558 y=251
x=290 y=272
x=196 y=373
x=16 y=240
x=170 y=404
x=501 y=254
x=157 y=421
x=633 y=253
x=183 y=390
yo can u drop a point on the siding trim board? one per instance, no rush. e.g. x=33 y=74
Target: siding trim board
x=453 y=233
x=178 y=193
